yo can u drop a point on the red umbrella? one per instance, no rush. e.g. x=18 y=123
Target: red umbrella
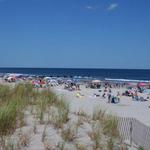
x=42 y=82
x=142 y=84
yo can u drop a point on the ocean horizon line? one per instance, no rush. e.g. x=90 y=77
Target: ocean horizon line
x=74 y=68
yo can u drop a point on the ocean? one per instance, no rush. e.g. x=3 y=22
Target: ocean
x=116 y=74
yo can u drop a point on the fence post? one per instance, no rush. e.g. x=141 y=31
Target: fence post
x=131 y=130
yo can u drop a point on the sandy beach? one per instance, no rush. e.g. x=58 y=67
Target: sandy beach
x=126 y=108
x=44 y=129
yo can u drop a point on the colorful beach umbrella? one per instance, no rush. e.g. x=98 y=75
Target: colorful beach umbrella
x=96 y=81
x=146 y=91
x=143 y=84
x=42 y=82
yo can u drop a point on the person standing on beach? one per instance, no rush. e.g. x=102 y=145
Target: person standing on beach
x=109 y=96
x=103 y=96
x=118 y=96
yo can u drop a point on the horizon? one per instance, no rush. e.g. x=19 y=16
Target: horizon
x=74 y=68
x=75 y=34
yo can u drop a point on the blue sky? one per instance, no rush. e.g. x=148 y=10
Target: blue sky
x=75 y=33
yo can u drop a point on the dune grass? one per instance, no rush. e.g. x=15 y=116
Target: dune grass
x=8 y=116
x=99 y=114
x=96 y=134
x=61 y=114
x=14 y=101
x=108 y=122
x=110 y=127
x=70 y=133
x=5 y=93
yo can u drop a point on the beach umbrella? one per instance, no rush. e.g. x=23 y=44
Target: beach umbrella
x=34 y=82
x=142 y=84
x=146 y=91
x=47 y=78
x=69 y=81
x=30 y=78
x=96 y=81
x=42 y=82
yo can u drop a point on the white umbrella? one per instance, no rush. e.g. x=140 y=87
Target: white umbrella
x=96 y=81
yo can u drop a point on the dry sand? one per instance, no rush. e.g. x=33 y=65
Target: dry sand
x=126 y=108
x=87 y=103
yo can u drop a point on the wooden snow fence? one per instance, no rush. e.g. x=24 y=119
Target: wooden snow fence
x=132 y=130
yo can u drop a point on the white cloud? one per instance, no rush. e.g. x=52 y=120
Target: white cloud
x=112 y=6
x=90 y=7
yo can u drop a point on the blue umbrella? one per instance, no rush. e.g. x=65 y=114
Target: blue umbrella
x=146 y=91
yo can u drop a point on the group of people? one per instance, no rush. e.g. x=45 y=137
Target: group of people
x=136 y=97
x=111 y=98
x=72 y=86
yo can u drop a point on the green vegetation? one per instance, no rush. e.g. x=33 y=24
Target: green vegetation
x=140 y=148
x=60 y=115
x=70 y=133
x=13 y=102
x=96 y=135
x=110 y=127
x=108 y=122
x=48 y=109
x=8 y=117
x=4 y=94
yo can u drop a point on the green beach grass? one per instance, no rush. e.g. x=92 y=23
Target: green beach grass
x=15 y=101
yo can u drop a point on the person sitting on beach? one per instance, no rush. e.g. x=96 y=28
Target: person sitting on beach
x=96 y=95
x=79 y=95
x=78 y=87
x=104 y=95
x=113 y=100
x=132 y=95
x=105 y=90
x=135 y=96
